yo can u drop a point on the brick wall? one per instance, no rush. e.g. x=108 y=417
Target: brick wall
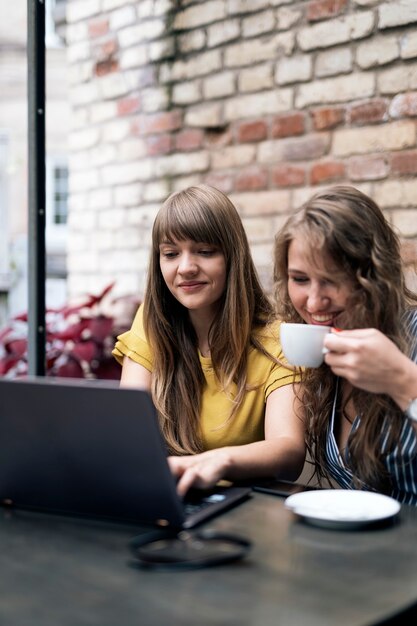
x=268 y=100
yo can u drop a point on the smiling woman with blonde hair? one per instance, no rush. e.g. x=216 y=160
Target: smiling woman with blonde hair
x=205 y=344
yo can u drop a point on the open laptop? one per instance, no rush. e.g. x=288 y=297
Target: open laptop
x=93 y=449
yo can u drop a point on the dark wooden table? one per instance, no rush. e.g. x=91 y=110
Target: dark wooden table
x=63 y=572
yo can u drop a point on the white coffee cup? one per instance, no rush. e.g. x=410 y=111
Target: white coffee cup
x=303 y=344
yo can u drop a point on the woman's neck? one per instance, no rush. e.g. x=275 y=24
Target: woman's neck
x=202 y=321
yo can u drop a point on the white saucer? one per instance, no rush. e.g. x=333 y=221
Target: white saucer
x=342 y=508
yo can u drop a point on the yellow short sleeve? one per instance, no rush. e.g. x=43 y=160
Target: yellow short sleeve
x=133 y=344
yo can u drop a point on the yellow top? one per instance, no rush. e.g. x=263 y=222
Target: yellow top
x=247 y=425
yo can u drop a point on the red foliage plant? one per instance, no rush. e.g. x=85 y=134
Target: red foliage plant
x=79 y=339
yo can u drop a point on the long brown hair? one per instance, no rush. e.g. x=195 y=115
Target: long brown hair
x=346 y=226
x=202 y=214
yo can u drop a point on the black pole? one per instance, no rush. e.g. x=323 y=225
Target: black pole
x=36 y=175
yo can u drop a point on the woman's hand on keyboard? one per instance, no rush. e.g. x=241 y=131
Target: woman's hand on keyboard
x=200 y=470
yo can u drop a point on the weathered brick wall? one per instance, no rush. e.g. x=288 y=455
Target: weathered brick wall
x=267 y=100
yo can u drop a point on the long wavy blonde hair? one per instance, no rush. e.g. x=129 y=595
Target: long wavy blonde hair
x=346 y=226
x=202 y=214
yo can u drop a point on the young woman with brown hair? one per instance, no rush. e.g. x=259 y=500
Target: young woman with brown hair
x=205 y=344
x=338 y=263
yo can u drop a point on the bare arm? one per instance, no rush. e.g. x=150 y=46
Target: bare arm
x=281 y=454
x=135 y=375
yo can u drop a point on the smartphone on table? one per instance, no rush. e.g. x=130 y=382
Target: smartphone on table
x=279 y=487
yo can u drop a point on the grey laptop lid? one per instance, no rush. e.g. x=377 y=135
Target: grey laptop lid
x=90 y=448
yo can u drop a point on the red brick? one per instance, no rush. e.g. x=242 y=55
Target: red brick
x=404 y=105
x=161 y=122
x=105 y=50
x=323 y=9
x=367 y=168
x=324 y=172
x=252 y=131
x=328 y=117
x=368 y=112
x=223 y=182
x=189 y=139
x=251 y=178
x=404 y=163
x=98 y=28
x=106 y=67
x=288 y=125
x=126 y=106
x=305 y=148
x=161 y=144
x=288 y=175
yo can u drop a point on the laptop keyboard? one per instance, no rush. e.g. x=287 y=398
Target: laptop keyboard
x=197 y=504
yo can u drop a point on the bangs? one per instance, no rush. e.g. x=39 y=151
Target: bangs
x=192 y=221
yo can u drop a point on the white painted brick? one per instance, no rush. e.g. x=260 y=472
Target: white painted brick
x=103 y=240
x=82 y=262
x=205 y=115
x=161 y=49
x=223 y=32
x=122 y=17
x=154 y=99
x=406 y=220
x=76 y=32
x=203 y=64
x=102 y=155
x=134 y=57
x=397 y=13
x=395 y=193
x=332 y=32
x=262 y=255
x=366 y=3
x=144 y=31
x=337 y=89
x=156 y=191
x=293 y=69
x=112 y=219
x=262 y=202
x=397 y=79
x=101 y=198
x=287 y=17
x=182 y=182
x=116 y=131
x=83 y=139
x=109 y=5
x=276 y=3
x=194 y=40
x=131 y=149
x=84 y=94
x=161 y=7
x=145 y=8
x=79 y=119
x=269 y=102
x=78 y=10
x=80 y=73
x=130 y=239
x=83 y=221
x=80 y=51
x=83 y=181
x=270 y=151
x=102 y=111
x=79 y=243
x=205 y=13
x=258 y=24
x=370 y=139
x=175 y=164
x=219 y=85
x=245 y=6
x=77 y=201
x=377 y=51
x=232 y=156
x=255 y=50
x=329 y=63
x=127 y=172
x=128 y=195
x=258 y=228
x=112 y=85
x=143 y=217
x=256 y=78
x=186 y=93
x=408 y=45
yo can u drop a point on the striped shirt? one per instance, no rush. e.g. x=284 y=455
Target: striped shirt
x=401 y=462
